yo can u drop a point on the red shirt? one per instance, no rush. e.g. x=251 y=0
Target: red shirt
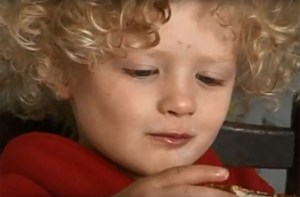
x=42 y=165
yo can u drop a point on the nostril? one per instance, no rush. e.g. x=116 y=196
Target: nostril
x=172 y=113
x=179 y=113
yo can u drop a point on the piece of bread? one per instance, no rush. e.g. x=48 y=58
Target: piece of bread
x=242 y=192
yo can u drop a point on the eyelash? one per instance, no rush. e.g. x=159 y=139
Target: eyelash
x=141 y=73
x=209 y=81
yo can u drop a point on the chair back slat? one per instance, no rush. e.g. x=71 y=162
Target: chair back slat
x=255 y=146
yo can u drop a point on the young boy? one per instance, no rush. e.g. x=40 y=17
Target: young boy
x=149 y=83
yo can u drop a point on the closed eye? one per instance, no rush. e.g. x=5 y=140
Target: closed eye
x=209 y=81
x=140 y=73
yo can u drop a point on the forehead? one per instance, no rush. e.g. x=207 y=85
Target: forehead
x=195 y=28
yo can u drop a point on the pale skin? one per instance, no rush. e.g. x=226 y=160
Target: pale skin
x=183 y=85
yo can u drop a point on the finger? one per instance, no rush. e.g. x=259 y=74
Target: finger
x=193 y=191
x=190 y=175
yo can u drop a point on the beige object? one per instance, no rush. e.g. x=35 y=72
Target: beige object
x=242 y=192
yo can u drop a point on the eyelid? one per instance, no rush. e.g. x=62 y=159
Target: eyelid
x=209 y=80
x=131 y=65
x=141 y=73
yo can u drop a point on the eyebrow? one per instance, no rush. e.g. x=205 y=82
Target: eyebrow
x=207 y=59
x=211 y=60
x=156 y=53
x=221 y=63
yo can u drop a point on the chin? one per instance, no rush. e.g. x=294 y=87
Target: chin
x=153 y=168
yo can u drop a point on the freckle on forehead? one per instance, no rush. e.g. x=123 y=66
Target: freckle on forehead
x=179 y=42
x=187 y=45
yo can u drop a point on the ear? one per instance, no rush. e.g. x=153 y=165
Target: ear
x=62 y=91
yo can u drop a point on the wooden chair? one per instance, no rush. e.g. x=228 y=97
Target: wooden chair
x=257 y=146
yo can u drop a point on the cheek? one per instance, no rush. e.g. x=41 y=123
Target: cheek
x=124 y=107
x=216 y=104
x=210 y=120
x=111 y=109
x=213 y=113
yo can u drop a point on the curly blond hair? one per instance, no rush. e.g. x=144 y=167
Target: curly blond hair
x=37 y=35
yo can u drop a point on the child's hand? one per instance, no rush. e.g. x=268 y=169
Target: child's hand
x=179 y=182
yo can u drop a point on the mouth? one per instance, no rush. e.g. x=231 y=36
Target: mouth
x=171 y=139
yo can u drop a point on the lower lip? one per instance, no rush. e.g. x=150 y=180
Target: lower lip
x=170 y=141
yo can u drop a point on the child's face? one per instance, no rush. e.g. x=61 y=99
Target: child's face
x=160 y=107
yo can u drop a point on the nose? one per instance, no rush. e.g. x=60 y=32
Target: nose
x=177 y=102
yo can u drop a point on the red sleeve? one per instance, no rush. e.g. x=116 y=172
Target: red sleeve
x=13 y=185
x=42 y=165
